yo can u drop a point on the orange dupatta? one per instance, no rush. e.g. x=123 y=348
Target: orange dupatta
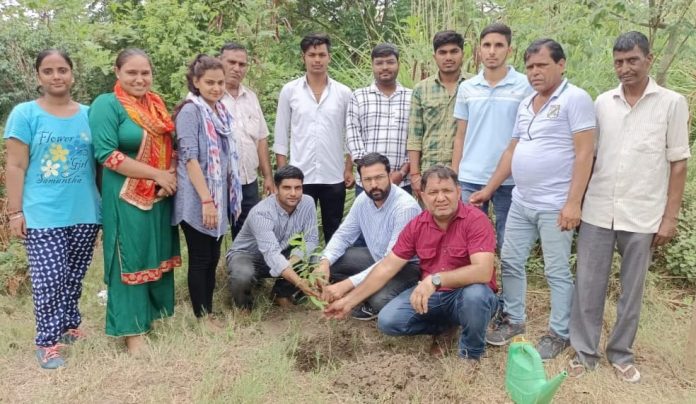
x=156 y=148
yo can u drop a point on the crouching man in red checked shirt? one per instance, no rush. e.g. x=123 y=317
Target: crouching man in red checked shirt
x=455 y=244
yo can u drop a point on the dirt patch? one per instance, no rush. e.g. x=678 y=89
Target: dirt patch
x=388 y=376
x=315 y=352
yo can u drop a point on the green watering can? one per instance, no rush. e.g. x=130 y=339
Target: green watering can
x=525 y=377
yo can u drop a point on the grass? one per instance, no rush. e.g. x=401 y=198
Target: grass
x=295 y=356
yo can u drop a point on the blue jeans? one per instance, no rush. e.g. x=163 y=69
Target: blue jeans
x=524 y=227
x=470 y=307
x=501 y=199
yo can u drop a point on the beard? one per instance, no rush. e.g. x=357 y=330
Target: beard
x=378 y=194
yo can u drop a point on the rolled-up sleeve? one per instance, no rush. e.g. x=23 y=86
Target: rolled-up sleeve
x=678 y=131
x=282 y=123
x=310 y=229
x=262 y=229
x=344 y=237
x=415 y=122
x=187 y=128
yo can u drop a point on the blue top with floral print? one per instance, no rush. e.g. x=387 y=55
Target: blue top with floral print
x=59 y=185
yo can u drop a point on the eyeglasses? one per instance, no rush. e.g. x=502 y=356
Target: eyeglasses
x=380 y=177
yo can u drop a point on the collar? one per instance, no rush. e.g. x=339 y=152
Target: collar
x=436 y=77
x=561 y=88
x=374 y=89
x=480 y=80
x=329 y=80
x=242 y=92
x=461 y=213
x=280 y=209
x=651 y=88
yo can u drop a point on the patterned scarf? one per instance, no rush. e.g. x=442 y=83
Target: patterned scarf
x=155 y=150
x=218 y=130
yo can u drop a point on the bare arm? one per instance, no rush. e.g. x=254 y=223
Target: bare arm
x=675 y=192
x=501 y=173
x=569 y=217
x=458 y=148
x=348 y=177
x=281 y=160
x=208 y=210
x=15 y=169
x=479 y=271
x=414 y=159
x=380 y=275
x=265 y=166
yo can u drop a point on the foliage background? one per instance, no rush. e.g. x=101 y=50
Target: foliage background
x=174 y=31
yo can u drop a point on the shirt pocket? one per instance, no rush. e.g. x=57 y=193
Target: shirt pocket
x=650 y=138
x=426 y=253
x=460 y=256
x=432 y=108
x=251 y=126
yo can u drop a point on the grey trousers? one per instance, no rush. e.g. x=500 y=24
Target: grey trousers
x=595 y=253
x=356 y=259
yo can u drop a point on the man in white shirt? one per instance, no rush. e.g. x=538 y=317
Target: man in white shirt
x=310 y=127
x=250 y=129
x=632 y=202
x=379 y=214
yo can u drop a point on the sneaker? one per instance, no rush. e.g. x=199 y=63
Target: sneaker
x=49 y=357
x=71 y=336
x=504 y=332
x=550 y=345
x=364 y=313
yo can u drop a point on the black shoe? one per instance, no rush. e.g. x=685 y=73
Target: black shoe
x=504 y=333
x=550 y=345
x=363 y=313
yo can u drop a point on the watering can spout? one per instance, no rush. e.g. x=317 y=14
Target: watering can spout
x=547 y=390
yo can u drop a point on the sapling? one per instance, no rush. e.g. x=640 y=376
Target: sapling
x=305 y=268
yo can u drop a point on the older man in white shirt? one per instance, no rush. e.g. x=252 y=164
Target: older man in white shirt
x=250 y=129
x=311 y=125
x=632 y=203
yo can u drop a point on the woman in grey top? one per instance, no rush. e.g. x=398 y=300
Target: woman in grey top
x=209 y=190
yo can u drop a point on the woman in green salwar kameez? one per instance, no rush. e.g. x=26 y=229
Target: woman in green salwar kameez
x=132 y=134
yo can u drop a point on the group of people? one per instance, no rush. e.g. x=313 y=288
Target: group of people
x=535 y=146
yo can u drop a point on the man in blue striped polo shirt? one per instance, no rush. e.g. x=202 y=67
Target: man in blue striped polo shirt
x=379 y=213
x=485 y=111
x=262 y=248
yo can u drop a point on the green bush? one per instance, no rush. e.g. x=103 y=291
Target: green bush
x=14 y=269
x=678 y=258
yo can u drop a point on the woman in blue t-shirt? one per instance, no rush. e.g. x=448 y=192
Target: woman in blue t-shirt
x=53 y=203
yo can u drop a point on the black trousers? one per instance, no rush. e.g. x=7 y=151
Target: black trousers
x=331 y=198
x=203 y=256
x=250 y=197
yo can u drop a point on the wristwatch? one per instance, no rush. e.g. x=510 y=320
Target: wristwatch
x=436 y=280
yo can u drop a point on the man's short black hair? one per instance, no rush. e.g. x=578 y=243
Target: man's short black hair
x=287 y=173
x=441 y=172
x=498 y=28
x=555 y=49
x=315 y=39
x=372 y=159
x=232 y=46
x=629 y=40
x=447 y=37
x=384 y=50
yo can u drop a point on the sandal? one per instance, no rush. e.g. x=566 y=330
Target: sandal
x=576 y=369
x=627 y=372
